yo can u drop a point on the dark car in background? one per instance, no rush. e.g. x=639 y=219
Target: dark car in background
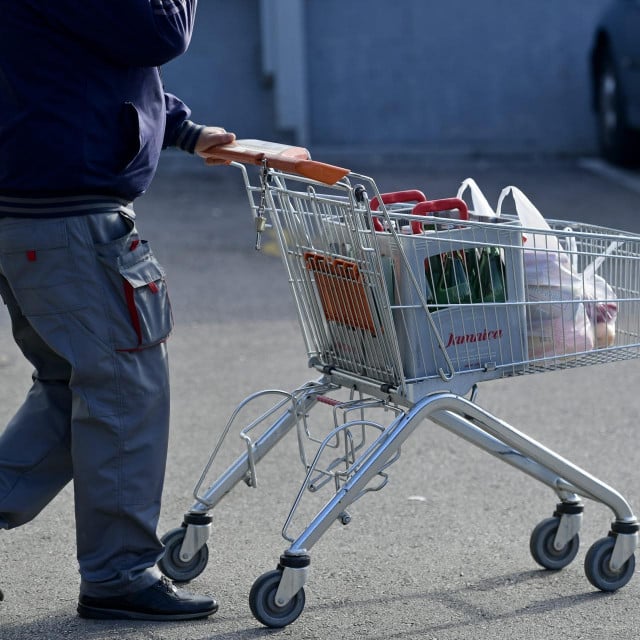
x=615 y=74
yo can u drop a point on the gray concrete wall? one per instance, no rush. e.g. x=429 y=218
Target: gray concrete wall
x=462 y=76
x=220 y=76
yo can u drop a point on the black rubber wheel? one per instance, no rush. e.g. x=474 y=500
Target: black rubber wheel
x=543 y=551
x=599 y=573
x=172 y=566
x=263 y=605
x=619 y=143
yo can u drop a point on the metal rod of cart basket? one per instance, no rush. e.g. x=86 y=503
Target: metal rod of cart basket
x=405 y=306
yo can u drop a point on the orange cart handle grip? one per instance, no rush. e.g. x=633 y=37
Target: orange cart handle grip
x=290 y=159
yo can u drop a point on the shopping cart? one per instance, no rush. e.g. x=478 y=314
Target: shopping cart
x=405 y=305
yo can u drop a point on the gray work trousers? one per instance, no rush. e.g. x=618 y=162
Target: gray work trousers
x=89 y=310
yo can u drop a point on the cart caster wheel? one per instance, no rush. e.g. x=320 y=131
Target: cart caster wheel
x=543 y=551
x=262 y=601
x=172 y=566
x=599 y=573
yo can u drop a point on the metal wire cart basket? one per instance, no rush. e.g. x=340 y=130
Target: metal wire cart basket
x=405 y=305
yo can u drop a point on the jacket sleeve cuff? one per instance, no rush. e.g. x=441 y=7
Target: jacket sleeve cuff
x=187 y=136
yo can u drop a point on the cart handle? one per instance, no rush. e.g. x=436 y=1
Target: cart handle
x=433 y=206
x=278 y=156
x=394 y=197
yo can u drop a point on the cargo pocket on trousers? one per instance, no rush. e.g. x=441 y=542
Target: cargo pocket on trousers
x=144 y=317
x=40 y=265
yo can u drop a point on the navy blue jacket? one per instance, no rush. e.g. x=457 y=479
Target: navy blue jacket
x=82 y=106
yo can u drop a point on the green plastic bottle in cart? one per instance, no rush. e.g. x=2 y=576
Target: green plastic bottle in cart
x=465 y=277
x=489 y=283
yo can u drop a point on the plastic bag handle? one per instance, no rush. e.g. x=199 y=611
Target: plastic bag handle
x=282 y=157
x=532 y=220
x=394 y=197
x=433 y=206
x=480 y=204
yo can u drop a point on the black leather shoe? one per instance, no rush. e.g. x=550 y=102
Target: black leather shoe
x=161 y=601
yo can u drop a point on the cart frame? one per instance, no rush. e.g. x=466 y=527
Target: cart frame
x=277 y=597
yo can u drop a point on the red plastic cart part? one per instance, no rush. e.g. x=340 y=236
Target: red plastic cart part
x=394 y=197
x=434 y=206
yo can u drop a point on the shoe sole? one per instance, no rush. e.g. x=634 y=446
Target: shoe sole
x=98 y=613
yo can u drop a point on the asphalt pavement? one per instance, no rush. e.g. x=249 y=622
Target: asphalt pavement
x=442 y=552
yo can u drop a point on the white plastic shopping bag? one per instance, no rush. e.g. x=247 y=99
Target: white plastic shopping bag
x=480 y=208
x=531 y=220
x=557 y=320
x=600 y=301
